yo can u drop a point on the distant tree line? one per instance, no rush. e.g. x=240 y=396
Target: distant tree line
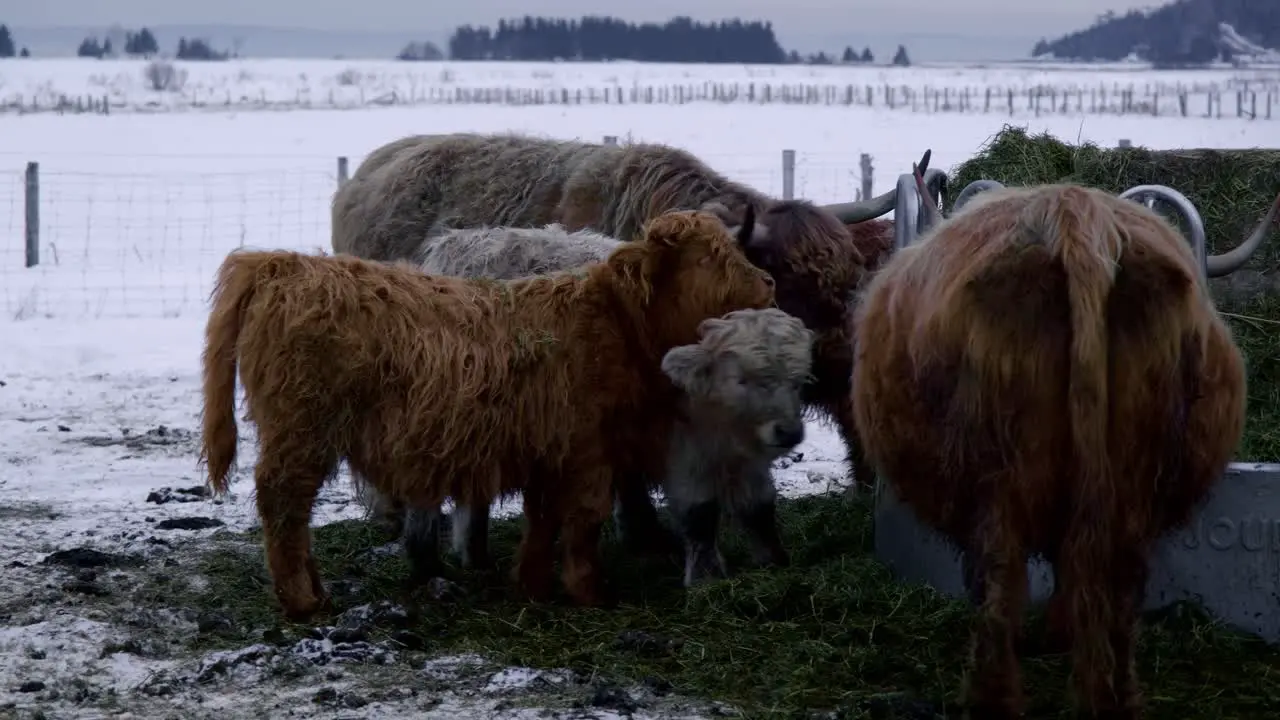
x=8 y=48
x=679 y=40
x=1181 y=33
x=143 y=44
x=595 y=38
x=850 y=57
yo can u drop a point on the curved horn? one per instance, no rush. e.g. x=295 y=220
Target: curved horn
x=1232 y=260
x=863 y=210
x=972 y=189
x=924 y=160
x=930 y=216
x=1185 y=208
x=905 y=211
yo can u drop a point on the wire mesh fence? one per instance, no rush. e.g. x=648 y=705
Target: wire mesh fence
x=105 y=244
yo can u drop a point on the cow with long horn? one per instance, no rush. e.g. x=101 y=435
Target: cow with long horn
x=1213 y=265
x=422 y=186
x=1044 y=373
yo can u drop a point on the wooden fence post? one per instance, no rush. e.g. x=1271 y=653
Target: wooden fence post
x=342 y=171
x=788 y=174
x=33 y=214
x=867 y=169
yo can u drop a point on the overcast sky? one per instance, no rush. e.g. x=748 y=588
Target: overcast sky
x=790 y=17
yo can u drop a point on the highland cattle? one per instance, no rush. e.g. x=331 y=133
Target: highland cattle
x=422 y=186
x=435 y=387
x=486 y=252
x=743 y=387
x=1045 y=373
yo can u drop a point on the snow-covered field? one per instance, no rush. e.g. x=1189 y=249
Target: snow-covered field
x=99 y=373
x=27 y=85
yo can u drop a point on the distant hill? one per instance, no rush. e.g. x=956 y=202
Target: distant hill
x=1182 y=33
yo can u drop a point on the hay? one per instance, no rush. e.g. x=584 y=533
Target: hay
x=1232 y=189
x=833 y=633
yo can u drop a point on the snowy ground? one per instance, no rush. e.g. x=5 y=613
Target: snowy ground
x=126 y=83
x=98 y=435
x=99 y=394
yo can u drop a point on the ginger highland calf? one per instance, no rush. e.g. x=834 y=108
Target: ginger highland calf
x=439 y=387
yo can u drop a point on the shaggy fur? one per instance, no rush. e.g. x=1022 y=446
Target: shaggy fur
x=508 y=253
x=1045 y=373
x=501 y=254
x=422 y=185
x=742 y=384
x=436 y=387
x=874 y=240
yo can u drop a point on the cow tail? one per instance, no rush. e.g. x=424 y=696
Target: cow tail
x=234 y=287
x=1089 y=255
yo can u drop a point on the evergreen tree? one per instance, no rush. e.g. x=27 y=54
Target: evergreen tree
x=849 y=57
x=867 y=57
x=6 y=42
x=197 y=49
x=90 y=48
x=141 y=43
x=900 y=57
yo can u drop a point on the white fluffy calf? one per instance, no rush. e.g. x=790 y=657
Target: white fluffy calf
x=743 y=382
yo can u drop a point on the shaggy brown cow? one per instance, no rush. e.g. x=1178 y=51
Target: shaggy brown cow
x=1045 y=373
x=420 y=186
x=434 y=387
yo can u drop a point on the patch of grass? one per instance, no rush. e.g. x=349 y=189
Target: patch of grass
x=832 y=632
x=1231 y=189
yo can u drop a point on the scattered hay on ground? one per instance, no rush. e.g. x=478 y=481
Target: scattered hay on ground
x=1232 y=189
x=831 y=633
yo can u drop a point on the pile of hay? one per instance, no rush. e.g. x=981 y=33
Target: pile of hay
x=1232 y=189
x=831 y=636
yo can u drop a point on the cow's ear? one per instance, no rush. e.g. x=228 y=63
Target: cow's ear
x=688 y=366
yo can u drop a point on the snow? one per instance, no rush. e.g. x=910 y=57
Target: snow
x=104 y=335
x=284 y=83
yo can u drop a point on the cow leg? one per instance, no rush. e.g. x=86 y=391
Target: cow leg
x=1105 y=584
x=995 y=687
x=1129 y=582
x=422 y=545
x=584 y=510
x=758 y=517
x=288 y=479
x=471 y=536
x=693 y=503
x=534 y=569
x=702 y=558
x=1057 y=618
x=864 y=477
x=636 y=518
